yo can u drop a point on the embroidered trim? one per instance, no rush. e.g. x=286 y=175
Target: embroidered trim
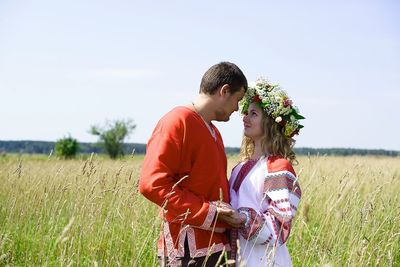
x=194 y=253
x=281 y=181
x=172 y=253
x=212 y=210
x=269 y=175
x=281 y=225
x=187 y=232
x=254 y=223
x=282 y=217
x=244 y=171
x=257 y=232
x=273 y=221
x=234 y=172
x=234 y=236
x=268 y=241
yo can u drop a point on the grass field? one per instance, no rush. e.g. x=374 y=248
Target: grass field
x=87 y=212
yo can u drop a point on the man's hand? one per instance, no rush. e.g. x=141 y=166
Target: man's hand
x=230 y=216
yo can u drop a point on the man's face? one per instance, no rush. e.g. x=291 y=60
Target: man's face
x=229 y=104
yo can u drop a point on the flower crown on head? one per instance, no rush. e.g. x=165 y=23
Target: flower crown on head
x=276 y=103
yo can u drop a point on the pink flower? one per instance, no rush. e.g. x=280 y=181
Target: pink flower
x=287 y=102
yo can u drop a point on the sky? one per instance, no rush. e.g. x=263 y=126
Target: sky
x=67 y=65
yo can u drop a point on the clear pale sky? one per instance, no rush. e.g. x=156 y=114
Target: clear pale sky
x=65 y=65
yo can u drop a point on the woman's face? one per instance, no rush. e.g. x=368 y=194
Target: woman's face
x=252 y=122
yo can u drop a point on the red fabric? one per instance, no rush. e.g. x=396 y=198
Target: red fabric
x=246 y=168
x=279 y=163
x=181 y=145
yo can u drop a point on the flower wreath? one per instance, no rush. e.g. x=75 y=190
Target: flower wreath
x=276 y=103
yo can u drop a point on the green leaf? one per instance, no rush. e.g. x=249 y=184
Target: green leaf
x=296 y=115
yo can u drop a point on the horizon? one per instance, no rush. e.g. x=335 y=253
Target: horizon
x=68 y=65
x=234 y=147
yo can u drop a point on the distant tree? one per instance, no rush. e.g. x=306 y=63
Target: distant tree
x=66 y=147
x=112 y=135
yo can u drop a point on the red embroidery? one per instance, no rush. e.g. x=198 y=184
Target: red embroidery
x=269 y=239
x=246 y=168
x=282 y=182
x=274 y=222
x=234 y=238
x=253 y=224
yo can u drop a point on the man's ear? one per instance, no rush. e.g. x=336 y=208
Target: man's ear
x=224 y=90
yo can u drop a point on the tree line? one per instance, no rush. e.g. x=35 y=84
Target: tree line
x=111 y=138
x=43 y=147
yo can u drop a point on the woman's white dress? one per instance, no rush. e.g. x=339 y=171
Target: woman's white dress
x=268 y=193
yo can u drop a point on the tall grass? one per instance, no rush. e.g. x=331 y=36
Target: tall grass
x=88 y=212
x=349 y=213
x=85 y=212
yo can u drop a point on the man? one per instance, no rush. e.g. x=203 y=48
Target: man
x=184 y=172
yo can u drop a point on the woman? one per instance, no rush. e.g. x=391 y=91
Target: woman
x=264 y=187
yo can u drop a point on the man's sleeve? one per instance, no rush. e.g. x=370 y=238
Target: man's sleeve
x=159 y=182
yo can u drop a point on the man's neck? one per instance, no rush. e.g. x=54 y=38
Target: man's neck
x=203 y=106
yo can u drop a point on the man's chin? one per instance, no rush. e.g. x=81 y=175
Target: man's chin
x=223 y=119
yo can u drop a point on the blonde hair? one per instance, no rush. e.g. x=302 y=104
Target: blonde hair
x=274 y=142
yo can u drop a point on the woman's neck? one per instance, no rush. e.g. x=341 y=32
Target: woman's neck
x=258 y=153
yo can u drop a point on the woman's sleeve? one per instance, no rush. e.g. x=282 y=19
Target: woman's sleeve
x=272 y=226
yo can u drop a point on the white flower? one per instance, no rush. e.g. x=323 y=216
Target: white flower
x=278 y=119
x=252 y=84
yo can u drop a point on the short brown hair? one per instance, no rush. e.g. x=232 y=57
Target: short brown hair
x=220 y=74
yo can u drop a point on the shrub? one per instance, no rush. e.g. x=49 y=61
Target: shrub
x=66 y=147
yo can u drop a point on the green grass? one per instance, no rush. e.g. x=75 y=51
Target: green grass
x=88 y=212
x=350 y=213
x=74 y=212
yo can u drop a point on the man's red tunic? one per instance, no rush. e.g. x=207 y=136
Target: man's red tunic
x=184 y=171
